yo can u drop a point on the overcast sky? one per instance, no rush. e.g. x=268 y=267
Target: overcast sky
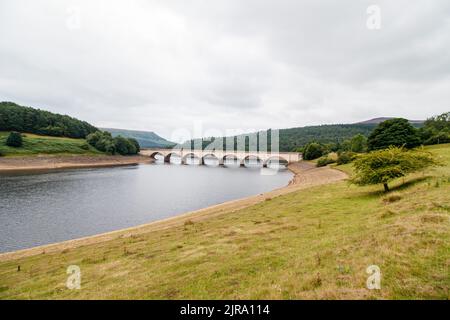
x=225 y=64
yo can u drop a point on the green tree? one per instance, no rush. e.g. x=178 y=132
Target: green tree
x=121 y=144
x=345 y=157
x=438 y=138
x=14 y=140
x=394 y=132
x=93 y=138
x=103 y=141
x=136 y=144
x=383 y=166
x=439 y=123
x=436 y=129
x=358 y=143
x=313 y=151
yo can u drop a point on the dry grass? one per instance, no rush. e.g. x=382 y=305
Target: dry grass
x=314 y=243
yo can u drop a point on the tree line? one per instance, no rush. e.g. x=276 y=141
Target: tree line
x=14 y=117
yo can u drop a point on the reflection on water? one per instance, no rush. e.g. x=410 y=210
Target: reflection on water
x=42 y=208
x=251 y=162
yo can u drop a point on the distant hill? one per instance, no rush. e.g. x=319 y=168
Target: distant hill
x=146 y=139
x=381 y=119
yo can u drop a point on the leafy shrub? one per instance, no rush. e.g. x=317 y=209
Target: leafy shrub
x=345 y=157
x=122 y=145
x=313 y=151
x=136 y=144
x=103 y=141
x=14 y=140
x=383 y=166
x=358 y=143
x=325 y=160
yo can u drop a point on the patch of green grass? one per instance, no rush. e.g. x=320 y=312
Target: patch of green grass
x=314 y=243
x=37 y=144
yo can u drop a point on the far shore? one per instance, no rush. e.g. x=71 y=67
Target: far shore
x=52 y=162
x=306 y=175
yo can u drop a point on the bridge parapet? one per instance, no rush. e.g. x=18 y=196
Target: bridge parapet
x=221 y=155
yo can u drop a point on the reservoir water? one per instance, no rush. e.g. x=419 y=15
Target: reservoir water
x=42 y=208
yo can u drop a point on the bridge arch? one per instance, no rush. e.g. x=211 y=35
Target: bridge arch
x=246 y=158
x=190 y=155
x=229 y=156
x=156 y=153
x=211 y=155
x=278 y=158
x=169 y=156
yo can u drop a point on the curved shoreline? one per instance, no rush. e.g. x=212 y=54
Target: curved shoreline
x=305 y=176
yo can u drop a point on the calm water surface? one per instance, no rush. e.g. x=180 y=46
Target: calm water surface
x=42 y=208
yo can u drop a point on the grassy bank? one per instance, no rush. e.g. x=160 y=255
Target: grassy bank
x=37 y=144
x=313 y=243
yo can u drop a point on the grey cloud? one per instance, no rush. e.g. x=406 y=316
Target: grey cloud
x=162 y=65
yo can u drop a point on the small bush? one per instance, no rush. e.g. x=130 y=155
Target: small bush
x=313 y=151
x=345 y=157
x=14 y=140
x=103 y=141
x=323 y=161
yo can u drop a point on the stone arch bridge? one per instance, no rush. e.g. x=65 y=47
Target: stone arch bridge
x=222 y=155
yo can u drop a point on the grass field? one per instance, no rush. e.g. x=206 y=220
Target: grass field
x=314 y=243
x=37 y=144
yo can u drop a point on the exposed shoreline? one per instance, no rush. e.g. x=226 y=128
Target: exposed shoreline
x=55 y=162
x=305 y=176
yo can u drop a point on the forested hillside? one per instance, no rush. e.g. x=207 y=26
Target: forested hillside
x=14 y=117
x=293 y=138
